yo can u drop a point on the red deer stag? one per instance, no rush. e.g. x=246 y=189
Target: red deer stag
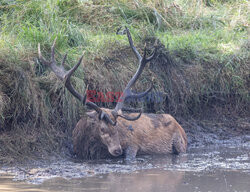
x=138 y=133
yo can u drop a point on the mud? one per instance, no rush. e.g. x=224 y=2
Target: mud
x=216 y=130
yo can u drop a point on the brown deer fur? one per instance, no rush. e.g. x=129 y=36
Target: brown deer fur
x=150 y=134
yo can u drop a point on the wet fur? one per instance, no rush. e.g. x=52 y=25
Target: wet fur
x=86 y=141
x=151 y=134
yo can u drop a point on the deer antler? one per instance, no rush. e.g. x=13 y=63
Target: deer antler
x=64 y=76
x=127 y=93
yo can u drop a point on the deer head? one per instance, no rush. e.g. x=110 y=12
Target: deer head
x=104 y=118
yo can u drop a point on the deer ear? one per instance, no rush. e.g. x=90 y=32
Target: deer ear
x=91 y=114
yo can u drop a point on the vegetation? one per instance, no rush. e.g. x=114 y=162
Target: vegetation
x=203 y=62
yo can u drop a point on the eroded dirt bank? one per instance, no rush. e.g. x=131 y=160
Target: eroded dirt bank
x=38 y=114
x=217 y=130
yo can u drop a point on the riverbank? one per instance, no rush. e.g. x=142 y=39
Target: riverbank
x=202 y=67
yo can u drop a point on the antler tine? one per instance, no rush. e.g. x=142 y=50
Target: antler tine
x=137 y=54
x=130 y=118
x=119 y=114
x=71 y=71
x=68 y=85
x=139 y=95
x=153 y=54
x=64 y=59
x=131 y=43
x=44 y=61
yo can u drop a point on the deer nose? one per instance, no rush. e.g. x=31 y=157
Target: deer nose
x=118 y=151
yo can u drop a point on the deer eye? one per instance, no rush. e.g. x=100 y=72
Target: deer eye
x=102 y=129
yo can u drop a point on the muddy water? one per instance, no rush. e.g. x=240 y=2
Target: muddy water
x=225 y=168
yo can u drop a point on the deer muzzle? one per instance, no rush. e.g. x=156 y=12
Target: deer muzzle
x=115 y=151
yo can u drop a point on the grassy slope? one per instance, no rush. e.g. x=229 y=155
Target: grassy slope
x=206 y=41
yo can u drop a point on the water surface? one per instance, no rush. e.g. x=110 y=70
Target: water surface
x=225 y=168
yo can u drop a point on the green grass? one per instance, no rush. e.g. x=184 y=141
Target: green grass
x=206 y=43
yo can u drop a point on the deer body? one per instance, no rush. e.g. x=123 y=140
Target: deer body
x=150 y=134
